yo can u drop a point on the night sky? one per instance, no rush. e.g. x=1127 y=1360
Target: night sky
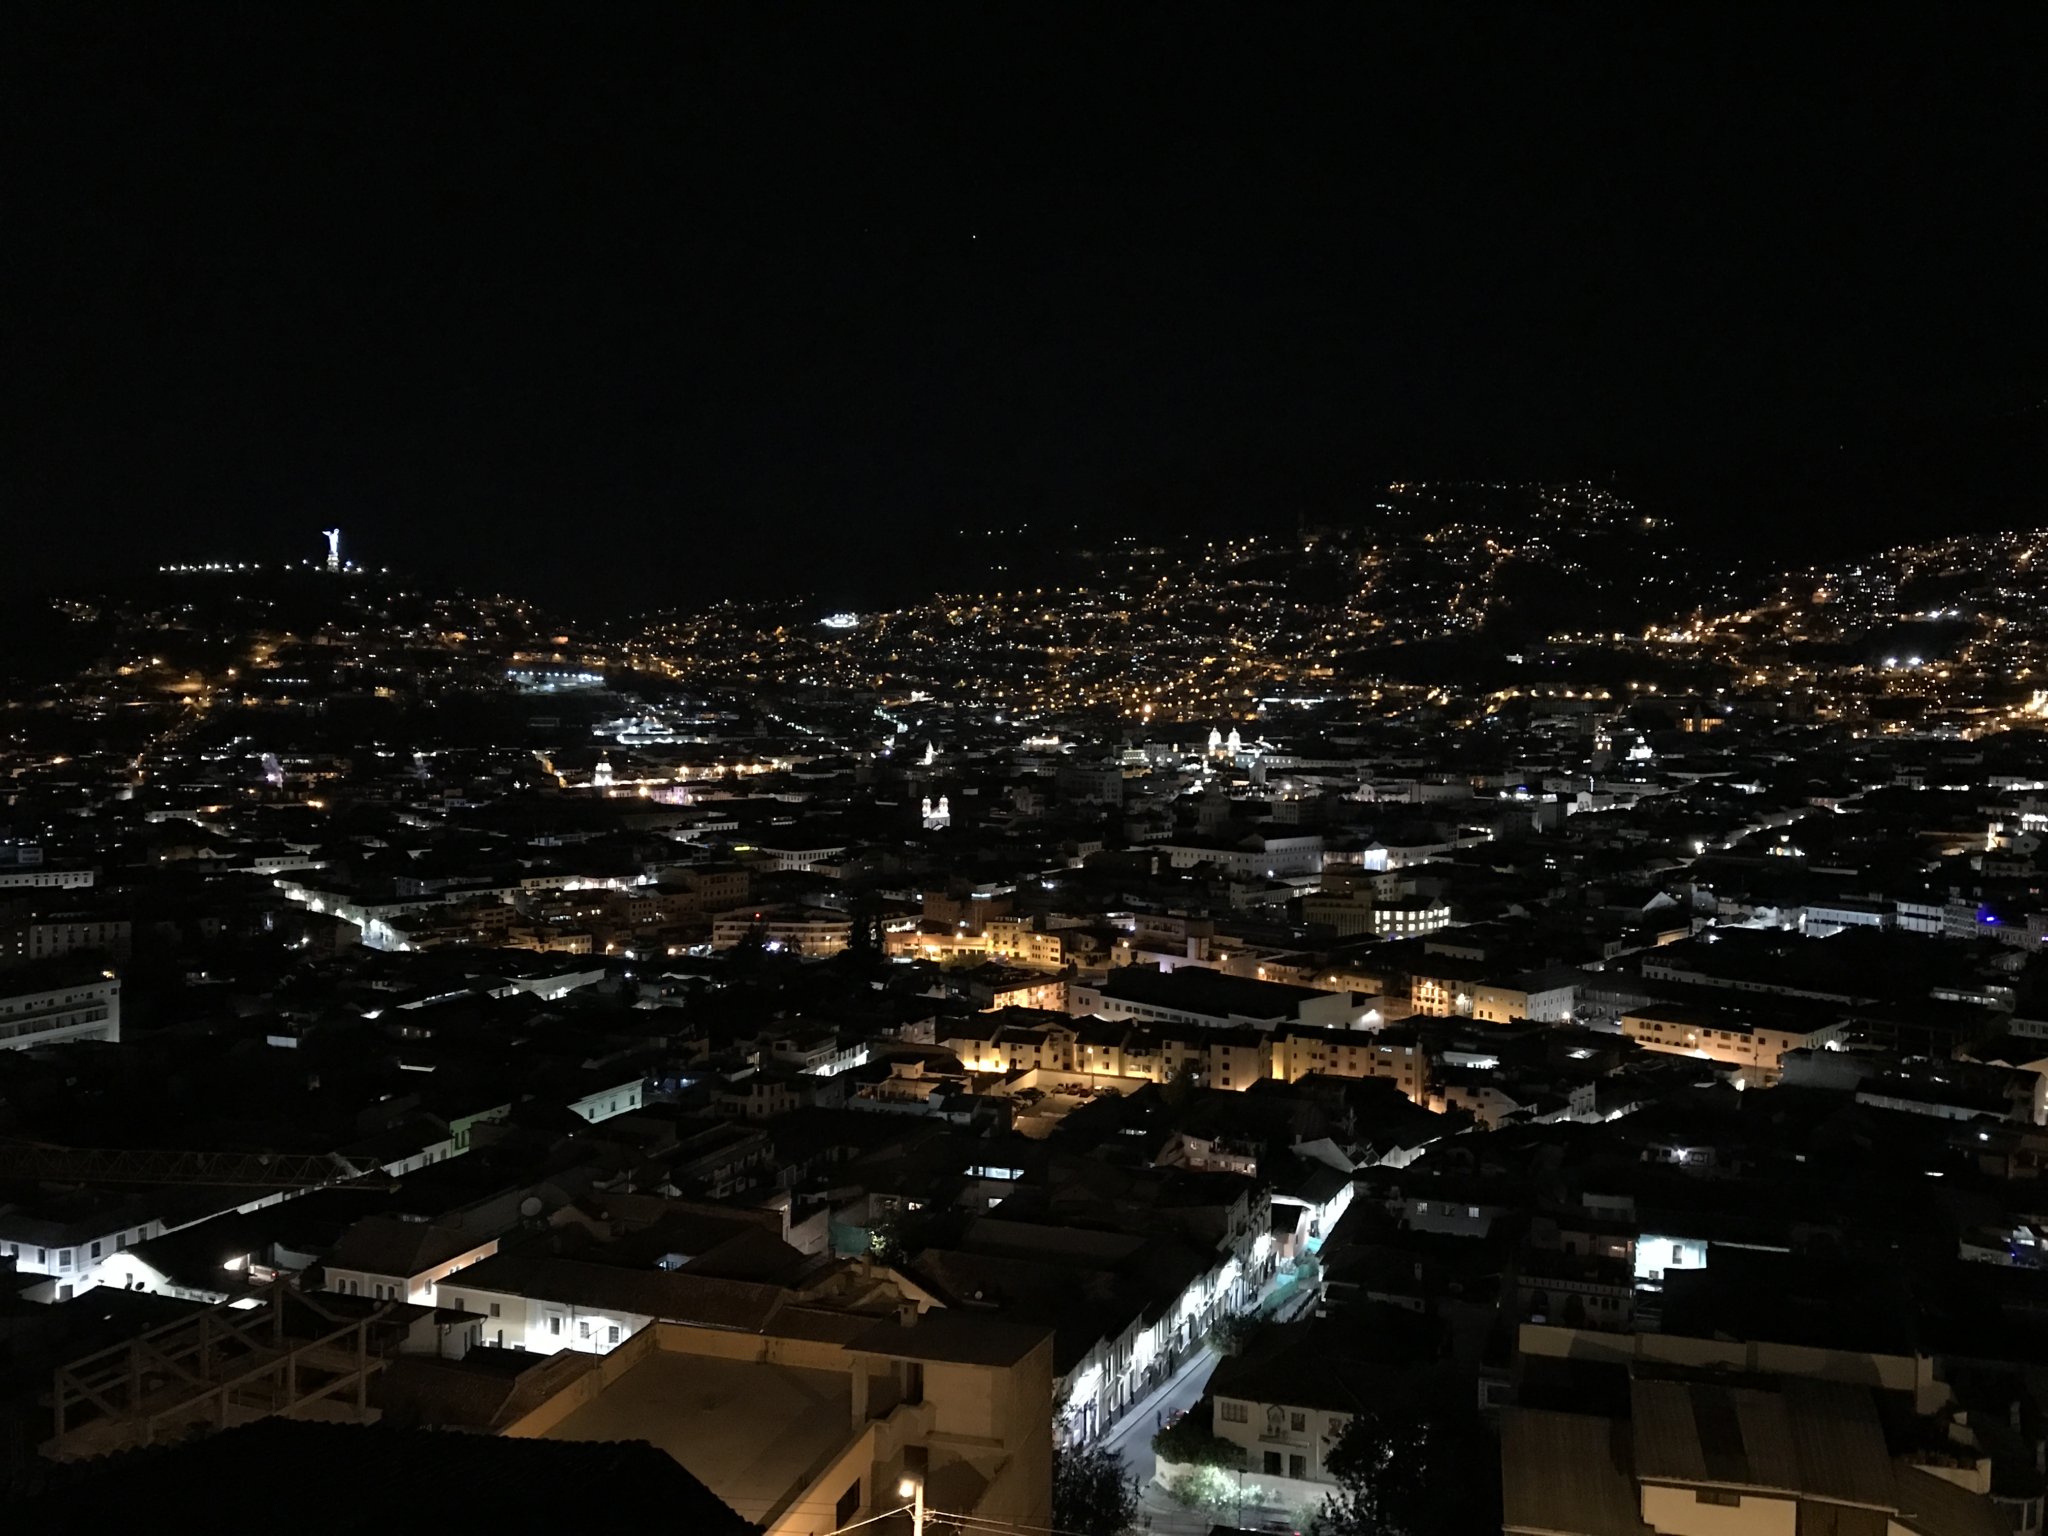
x=626 y=306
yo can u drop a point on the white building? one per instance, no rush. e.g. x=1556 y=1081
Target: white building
x=617 y=1098
x=545 y=1304
x=1274 y=858
x=39 y=878
x=39 y=1008
x=391 y=1259
x=809 y=931
x=72 y=1248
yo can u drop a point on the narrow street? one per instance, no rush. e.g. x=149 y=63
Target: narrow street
x=1131 y=1440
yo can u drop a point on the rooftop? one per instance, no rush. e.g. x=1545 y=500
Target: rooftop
x=754 y=1433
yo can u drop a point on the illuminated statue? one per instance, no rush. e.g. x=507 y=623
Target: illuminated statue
x=333 y=548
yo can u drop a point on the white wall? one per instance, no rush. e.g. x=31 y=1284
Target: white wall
x=420 y=1289
x=606 y=1102
x=540 y=1326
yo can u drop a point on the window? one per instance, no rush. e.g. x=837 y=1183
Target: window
x=1297 y=1466
x=583 y=1329
x=96 y=1247
x=1297 y=1422
x=495 y=1309
x=1719 y=1496
x=1272 y=1463
x=1233 y=1412
x=555 y=1327
x=64 y=1258
x=612 y=1334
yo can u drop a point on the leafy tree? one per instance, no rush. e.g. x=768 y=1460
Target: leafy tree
x=1207 y=1490
x=1190 y=1441
x=1229 y=1334
x=1092 y=1494
x=1413 y=1468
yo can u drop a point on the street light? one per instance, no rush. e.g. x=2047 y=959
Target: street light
x=912 y=1488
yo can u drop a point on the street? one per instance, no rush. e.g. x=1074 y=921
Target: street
x=1131 y=1440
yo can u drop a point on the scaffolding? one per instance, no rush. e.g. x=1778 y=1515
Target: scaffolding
x=287 y=1355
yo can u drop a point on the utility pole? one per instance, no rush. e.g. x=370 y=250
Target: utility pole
x=912 y=1488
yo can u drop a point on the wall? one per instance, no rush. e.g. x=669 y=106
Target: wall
x=606 y=1102
x=89 y=1010
x=521 y=1322
x=586 y=1388
x=419 y=1289
x=1020 y=1492
x=1677 y=1512
x=83 y=1269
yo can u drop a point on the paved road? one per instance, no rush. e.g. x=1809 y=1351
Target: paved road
x=1132 y=1437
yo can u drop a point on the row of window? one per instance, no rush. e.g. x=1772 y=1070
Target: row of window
x=584 y=1328
x=48 y=1000
x=65 y=1256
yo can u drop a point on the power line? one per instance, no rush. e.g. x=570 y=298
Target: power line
x=871 y=1519
x=981 y=1522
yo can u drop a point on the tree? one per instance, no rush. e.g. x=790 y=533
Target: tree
x=1189 y=1441
x=1206 y=1490
x=1230 y=1334
x=1413 y=1468
x=1092 y=1494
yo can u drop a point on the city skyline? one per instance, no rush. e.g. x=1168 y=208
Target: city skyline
x=1169 y=770
x=779 y=303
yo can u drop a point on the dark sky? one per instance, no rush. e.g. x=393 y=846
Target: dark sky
x=629 y=305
